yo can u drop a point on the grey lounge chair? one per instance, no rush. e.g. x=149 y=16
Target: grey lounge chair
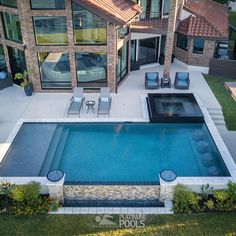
x=104 y=102
x=76 y=102
x=182 y=80
x=151 y=80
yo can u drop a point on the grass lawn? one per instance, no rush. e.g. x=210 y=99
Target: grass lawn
x=223 y=96
x=232 y=18
x=199 y=224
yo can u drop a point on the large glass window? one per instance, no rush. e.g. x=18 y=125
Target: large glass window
x=50 y=30
x=17 y=62
x=88 y=27
x=12 y=28
x=54 y=70
x=3 y=66
x=122 y=67
x=9 y=3
x=91 y=69
x=182 y=42
x=48 y=4
x=198 y=46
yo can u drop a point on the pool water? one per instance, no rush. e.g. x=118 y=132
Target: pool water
x=113 y=153
x=134 y=152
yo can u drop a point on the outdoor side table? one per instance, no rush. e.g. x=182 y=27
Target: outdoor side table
x=90 y=106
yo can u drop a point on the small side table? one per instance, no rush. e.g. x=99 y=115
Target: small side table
x=90 y=105
x=165 y=82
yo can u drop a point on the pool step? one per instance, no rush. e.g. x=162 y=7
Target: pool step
x=51 y=151
x=60 y=148
x=217 y=115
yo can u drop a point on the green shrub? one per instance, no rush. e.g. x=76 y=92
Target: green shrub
x=222 y=200
x=209 y=204
x=232 y=190
x=185 y=201
x=28 y=192
x=36 y=207
x=27 y=201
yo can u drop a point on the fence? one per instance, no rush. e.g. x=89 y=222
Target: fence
x=226 y=68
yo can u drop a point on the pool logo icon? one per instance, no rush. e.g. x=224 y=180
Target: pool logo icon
x=105 y=220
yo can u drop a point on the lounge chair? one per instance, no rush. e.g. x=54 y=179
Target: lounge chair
x=151 y=80
x=182 y=80
x=76 y=102
x=104 y=102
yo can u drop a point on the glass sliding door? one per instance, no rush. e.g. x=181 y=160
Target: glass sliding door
x=17 y=62
x=122 y=66
x=148 y=50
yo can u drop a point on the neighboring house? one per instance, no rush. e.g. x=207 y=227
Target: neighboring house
x=93 y=43
x=203 y=24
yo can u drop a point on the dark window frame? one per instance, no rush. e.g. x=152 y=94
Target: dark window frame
x=5 y=5
x=52 y=9
x=52 y=88
x=119 y=77
x=74 y=38
x=4 y=67
x=35 y=38
x=92 y=85
x=196 y=49
x=5 y=30
x=180 y=43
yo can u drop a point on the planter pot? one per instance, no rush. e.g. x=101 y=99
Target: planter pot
x=29 y=89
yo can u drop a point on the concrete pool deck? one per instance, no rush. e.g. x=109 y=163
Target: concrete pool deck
x=126 y=104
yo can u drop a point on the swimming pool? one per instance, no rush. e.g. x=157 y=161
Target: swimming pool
x=113 y=153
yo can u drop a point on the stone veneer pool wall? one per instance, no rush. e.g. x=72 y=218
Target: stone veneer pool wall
x=111 y=192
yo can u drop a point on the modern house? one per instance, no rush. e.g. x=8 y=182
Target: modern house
x=93 y=43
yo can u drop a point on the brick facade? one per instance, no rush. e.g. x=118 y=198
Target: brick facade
x=25 y=14
x=111 y=49
x=190 y=58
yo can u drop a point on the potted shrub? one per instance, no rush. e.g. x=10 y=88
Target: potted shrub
x=26 y=84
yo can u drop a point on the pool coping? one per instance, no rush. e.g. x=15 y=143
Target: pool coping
x=195 y=182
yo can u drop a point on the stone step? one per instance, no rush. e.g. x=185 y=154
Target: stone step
x=217 y=115
x=214 y=109
x=219 y=122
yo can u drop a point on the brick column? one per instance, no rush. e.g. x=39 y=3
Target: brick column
x=71 y=49
x=23 y=10
x=170 y=37
x=111 y=56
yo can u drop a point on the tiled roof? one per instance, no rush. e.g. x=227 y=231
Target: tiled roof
x=197 y=27
x=214 y=14
x=116 y=11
